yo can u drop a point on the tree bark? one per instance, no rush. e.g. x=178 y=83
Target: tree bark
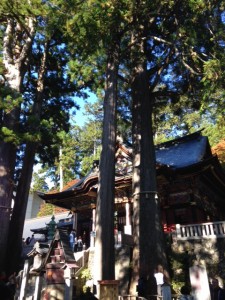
x=104 y=246
x=14 y=57
x=7 y=164
x=22 y=193
x=147 y=228
x=13 y=257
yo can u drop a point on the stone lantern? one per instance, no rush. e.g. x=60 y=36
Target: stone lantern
x=51 y=228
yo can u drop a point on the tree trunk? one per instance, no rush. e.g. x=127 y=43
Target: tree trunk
x=22 y=193
x=19 y=211
x=148 y=235
x=7 y=164
x=104 y=246
x=14 y=63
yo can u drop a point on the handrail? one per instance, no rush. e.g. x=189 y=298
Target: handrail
x=81 y=260
x=135 y=297
x=131 y=297
x=199 y=231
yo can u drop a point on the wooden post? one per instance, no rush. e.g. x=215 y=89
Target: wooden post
x=127 y=227
x=37 y=291
x=25 y=276
x=178 y=232
x=92 y=237
x=75 y=220
x=68 y=284
x=109 y=289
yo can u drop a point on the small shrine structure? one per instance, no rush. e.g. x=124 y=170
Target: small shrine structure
x=49 y=271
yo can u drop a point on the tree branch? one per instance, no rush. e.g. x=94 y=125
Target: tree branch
x=28 y=41
x=7 y=45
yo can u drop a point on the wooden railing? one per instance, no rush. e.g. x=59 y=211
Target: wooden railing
x=149 y=297
x=199 y=231
x=130 y=297
x=81 y=260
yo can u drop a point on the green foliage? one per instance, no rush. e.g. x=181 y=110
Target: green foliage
x=68 y=160
x=79 y=148
x=46 y=209
x=86 y=274
x=58 y=89
x=10 y=101
x=178 y=49
x=39 y=181
x=212 y=70
x=90 y=144
x=176 y=287
x=215 y=132
x=83 y=277
x=9 y=136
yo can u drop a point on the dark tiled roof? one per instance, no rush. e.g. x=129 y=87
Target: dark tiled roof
x=180 y=155
x=182 y=152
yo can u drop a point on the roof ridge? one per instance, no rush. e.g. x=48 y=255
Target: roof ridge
x=181 y=139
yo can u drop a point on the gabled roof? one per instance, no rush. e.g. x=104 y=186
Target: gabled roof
x=183 y=152
x=61 y=237
x=62 y=223
x=186 y=155
x=178 y=153
x=39 y=248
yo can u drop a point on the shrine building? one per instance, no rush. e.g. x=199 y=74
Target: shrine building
x=190 y=180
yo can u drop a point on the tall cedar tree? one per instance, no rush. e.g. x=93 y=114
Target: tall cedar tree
x=29 y=68
x=17 y=44
x=170 y=64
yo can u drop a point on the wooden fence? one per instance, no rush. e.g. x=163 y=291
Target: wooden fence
x=200 y=231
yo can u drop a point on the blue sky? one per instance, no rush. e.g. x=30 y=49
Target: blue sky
x=79 y=118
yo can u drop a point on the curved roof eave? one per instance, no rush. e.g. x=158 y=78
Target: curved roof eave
x=81 y=187
x=186 y=154
x=210 y=164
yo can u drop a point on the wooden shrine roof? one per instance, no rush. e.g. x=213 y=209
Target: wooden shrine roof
x=186 y=156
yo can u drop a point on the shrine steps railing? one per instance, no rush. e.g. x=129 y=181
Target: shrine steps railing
x=131 y=297
x=200 y=231
x=208 y=230
x=81 y=260
x=149 y=297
